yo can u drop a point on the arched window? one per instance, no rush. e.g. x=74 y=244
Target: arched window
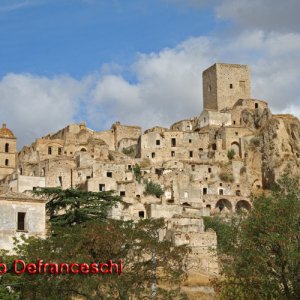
x=6 y=147
x=6 y=162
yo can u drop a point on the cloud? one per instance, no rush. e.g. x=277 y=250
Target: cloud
x=11 y=5
x=34 y=106
x=164 y=87
x=269 y=15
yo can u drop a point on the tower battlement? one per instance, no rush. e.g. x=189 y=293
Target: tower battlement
x=224 y=84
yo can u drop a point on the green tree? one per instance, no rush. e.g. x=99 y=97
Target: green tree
x=137 y=244
x=262 y=259
x=95 y=238
x=153 y=188
x=73 y=206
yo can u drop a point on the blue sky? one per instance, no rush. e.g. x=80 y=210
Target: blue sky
x=77 y=37
x=137 y=61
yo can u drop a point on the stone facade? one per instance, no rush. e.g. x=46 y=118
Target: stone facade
x=20 y=215
x=208 y=164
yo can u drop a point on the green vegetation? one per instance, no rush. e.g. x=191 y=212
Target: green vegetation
x=82 y=233
x=153 y=188
x=137 y=172
x=260 y=252
x=255 y=141
x=226 y=177
x=129 y=151
x=231 y=154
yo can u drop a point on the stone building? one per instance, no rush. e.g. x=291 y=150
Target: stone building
x=208 y=164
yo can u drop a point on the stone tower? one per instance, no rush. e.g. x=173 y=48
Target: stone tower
x=8 y=150
x=224 y=84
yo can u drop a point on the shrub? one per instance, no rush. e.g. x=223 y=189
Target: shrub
x=137 y=172
x=231 y=154
x=226 y=177
x=255 y=141
x=153 y=188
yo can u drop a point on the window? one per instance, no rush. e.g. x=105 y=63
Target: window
x=122 y=193
x=59 y=150
x=21 y=221
x=88 y=177
x=141 y=214
x=109 y=174
x=188 y=127
x=190 y=141
x=60 y=180
x=129 y=167
x=220 y=191
x=256 y=105
x=102 y=187
x=221 y=183
x=193 y=168
x=153 y=154
x=204 y=191
x=209 y=170
x=231 y=85
x=49 y=150
x=83 y=150
x=21 y=171
x=191 y=153
x=173 y=153
x=236 y=133
x=242 y=84
x=6 y=162
x=214 y=146
x=34 y=188
x=238 y=193
x=233 y=122
x=157 y=142
x=173 y=142
x=6 y=147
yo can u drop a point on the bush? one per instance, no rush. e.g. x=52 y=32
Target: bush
x=137 y=172
x=153 y=188
x=226 y=177
x=255 y=141
x=231 y=154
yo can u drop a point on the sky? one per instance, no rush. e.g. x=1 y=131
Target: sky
x=139 y=62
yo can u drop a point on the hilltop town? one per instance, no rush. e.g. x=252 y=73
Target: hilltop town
x=209 y=164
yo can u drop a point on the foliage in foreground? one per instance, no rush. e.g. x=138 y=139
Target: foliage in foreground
x=260 y=253
x=82 y=233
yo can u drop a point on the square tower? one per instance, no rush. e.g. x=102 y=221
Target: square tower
x=224 y=84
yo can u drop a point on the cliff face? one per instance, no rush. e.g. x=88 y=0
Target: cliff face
x=279 y=141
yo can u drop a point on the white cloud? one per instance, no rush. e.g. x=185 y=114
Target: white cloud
x=269 y=15
x=11 y=5
x=34 y=106
x=167 y=85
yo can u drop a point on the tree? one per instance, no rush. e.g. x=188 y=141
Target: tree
x=73 y=206
x=137 y=244
x=82 y=233
x=153 y=188
x=262 y=259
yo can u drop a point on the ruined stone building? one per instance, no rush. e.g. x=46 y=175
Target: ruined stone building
x=209 y=164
